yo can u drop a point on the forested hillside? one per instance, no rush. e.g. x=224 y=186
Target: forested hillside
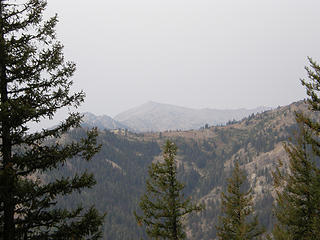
x=204 y=160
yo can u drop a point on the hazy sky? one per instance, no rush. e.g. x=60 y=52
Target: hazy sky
x=193 y=53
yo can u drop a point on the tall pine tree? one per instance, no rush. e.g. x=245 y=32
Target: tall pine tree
x=163 y=205
x=34 y=84
x=296 y=194
x=237 y=221
x=297 y=204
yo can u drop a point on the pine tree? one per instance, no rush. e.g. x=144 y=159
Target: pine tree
x=297 y=204
x=34 y=84
x=163 y=205
x=237 y=223
x=296 y=195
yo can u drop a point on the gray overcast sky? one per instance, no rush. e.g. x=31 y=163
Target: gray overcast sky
x=193 y=53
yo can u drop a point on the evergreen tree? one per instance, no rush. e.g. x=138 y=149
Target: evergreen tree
x=296 y=194
x=34 y=84
x=163 y=205
x=297 y=204
x=237 y=223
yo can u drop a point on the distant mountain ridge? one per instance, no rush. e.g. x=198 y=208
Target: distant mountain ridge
x=101 y=122
x=158 y=117
x=154 y=117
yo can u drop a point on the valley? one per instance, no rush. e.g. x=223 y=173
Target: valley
x=205 y=158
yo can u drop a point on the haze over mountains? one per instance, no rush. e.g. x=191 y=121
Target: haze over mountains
x=205 y=158
x=101 y=122
x=155 y=117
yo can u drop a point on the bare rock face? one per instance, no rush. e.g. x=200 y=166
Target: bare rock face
x=157 y=117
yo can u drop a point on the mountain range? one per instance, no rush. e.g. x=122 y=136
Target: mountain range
x=205 y=159
x=101 y=122
x=157 y=117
